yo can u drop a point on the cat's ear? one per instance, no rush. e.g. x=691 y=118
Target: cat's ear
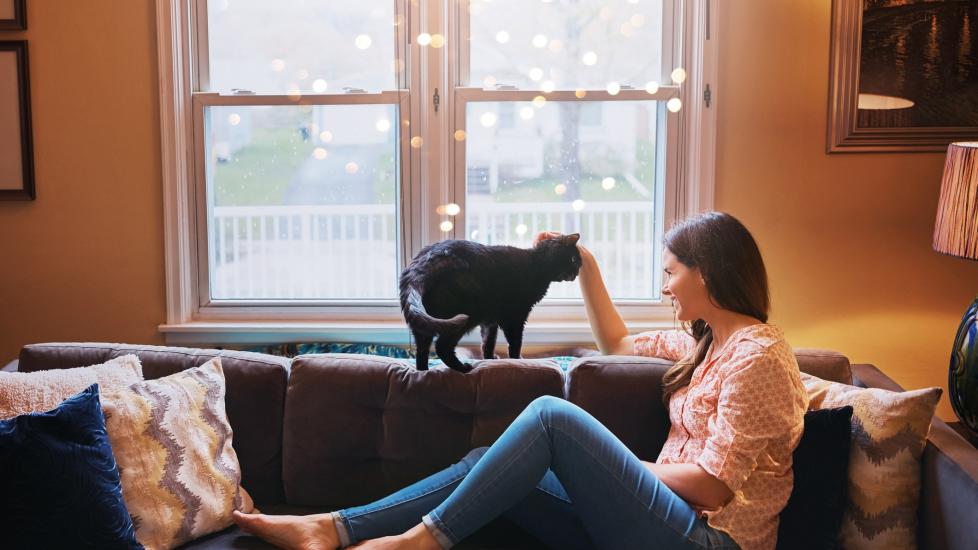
x=572 y=238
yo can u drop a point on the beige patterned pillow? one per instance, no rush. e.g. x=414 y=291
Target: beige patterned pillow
x=172 y=441
x=27 y=392
x=889 y=431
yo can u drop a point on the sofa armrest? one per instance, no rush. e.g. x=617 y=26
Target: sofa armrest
x=11 y=366
x=949 y=478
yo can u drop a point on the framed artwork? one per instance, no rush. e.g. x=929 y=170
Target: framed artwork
x=903 y=75
x=16 y=144
x=13 y=15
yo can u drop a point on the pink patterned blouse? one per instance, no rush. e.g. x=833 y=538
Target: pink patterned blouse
x=740 y=419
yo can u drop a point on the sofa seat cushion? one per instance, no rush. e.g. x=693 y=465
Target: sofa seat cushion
x=255 y=399
x=358 y=427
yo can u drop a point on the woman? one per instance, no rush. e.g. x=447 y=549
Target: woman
x=735 y=401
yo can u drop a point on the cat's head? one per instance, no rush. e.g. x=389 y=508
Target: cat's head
x=559 y=257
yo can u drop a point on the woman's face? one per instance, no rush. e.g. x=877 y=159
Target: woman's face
x=685 y=287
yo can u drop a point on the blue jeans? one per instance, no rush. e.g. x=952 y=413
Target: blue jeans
x=556 y=472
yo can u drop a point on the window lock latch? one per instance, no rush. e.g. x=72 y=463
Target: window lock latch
x=352 y=90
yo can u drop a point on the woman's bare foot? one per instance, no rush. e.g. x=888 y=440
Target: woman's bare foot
x=416 y=538
x=314 y=532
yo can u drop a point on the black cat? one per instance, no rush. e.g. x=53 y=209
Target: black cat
x=451 y=287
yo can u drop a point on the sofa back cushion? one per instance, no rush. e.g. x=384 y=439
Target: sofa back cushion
x=358 y=427
x=255 y=399
x=825 y=364
x=625 y=392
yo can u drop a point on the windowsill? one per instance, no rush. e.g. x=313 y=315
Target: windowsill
x=237 y=332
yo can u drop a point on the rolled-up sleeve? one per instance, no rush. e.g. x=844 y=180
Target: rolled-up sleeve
x=758 y=403
x=667 y=344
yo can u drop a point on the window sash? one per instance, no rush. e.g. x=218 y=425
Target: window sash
x=201 y=101
x=689 y=189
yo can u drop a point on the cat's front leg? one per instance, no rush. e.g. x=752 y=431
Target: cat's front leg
x=489 y=332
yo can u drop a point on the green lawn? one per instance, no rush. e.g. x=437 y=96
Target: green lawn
x=259 y=173
x=542 y=190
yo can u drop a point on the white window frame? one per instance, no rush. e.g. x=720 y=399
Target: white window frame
x=690 y=170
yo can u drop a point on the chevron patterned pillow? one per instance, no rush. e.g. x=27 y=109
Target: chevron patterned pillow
x=889 y=431
x=172 y=442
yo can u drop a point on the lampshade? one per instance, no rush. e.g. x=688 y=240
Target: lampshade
x=956 y=228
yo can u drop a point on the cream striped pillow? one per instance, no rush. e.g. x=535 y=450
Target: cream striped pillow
x=172 y=442
x=889 y=431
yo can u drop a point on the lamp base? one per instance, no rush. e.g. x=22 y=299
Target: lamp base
x=962 y=376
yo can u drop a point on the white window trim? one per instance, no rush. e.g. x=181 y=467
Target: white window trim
x=562 y=322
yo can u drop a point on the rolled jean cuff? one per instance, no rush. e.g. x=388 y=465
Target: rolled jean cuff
x=438 y=530
x=342 y=531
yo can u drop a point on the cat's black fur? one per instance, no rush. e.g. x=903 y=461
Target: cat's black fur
x=452 y=287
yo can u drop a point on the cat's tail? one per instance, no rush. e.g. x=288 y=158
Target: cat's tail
x=418 y=317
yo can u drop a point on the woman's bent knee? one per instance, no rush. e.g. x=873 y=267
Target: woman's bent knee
x=549 y=408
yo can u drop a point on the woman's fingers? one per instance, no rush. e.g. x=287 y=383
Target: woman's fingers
x=545 y=235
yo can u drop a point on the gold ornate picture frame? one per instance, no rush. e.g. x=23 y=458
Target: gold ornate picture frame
x=903 y=75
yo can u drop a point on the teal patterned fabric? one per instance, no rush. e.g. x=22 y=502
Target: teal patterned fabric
x=291 y=350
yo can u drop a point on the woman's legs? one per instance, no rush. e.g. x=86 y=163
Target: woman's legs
x=398 y=512
x=546 y=512
x=554 y=454
x=619 y=501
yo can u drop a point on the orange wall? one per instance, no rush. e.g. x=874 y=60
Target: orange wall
x=846 y=237
x=85 y=260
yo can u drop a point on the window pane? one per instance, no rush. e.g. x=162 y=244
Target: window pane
x=301 y=202
x=552 y=170
x=287 y=45
x=565 y=45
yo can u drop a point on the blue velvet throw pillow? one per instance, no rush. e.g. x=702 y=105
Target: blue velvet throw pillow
x=59 y=485
x=813 y=516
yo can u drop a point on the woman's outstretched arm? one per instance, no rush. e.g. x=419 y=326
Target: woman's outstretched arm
x=606 y=323
x=607 y=326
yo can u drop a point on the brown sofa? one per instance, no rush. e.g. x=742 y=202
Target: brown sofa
x=319 y=432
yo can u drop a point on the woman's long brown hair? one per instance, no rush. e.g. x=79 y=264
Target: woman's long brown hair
x=731 y=265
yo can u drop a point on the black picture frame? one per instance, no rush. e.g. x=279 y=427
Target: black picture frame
x=19 y=22
x=24 y=188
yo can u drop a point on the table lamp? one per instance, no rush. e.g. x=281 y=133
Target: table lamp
x=956 y=234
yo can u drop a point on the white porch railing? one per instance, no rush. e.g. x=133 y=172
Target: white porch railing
x=348 y=251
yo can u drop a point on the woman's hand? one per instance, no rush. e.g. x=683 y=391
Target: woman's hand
x=586 y=257
x=543 y=235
